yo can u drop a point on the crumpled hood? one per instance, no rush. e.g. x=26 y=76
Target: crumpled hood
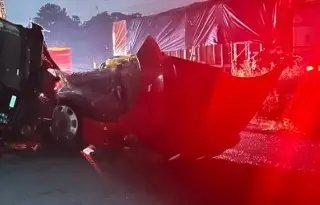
x=207 y=108
x=195 y=109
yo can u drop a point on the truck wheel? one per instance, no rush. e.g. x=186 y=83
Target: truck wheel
x=65 y=128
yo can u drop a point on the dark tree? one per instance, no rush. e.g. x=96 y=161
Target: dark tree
x=118 y=16
x=56 y=19
x=98 y=33
x=76 y=20
x=51 y=16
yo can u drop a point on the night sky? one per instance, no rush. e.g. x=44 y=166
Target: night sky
x=20 y=11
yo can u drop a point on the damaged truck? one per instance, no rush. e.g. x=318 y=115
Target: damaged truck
x=26 y=85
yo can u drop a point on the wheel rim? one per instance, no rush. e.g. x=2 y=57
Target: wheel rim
x=65 y=123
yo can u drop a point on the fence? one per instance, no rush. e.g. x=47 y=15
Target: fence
x=226 y=56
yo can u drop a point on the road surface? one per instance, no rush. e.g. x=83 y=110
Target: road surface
x=262 y=169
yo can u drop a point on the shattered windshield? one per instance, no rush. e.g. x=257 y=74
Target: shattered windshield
x=10 y=55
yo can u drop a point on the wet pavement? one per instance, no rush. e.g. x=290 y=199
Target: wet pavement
x=69 y=181
x=262 y=169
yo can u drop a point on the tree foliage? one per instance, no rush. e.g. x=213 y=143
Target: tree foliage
x=53 y=17
x=89 y=38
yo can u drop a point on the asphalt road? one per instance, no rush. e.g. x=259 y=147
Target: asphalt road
x=262 y=169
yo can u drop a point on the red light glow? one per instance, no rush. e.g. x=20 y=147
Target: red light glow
x=59 y=84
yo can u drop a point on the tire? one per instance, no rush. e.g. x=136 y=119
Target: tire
x=65 y=128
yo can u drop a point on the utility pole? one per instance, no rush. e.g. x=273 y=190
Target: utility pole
x=3 y=13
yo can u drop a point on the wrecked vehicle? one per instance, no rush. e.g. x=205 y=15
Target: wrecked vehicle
x=99 y=95
x=172 y=105
x=26 y=86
